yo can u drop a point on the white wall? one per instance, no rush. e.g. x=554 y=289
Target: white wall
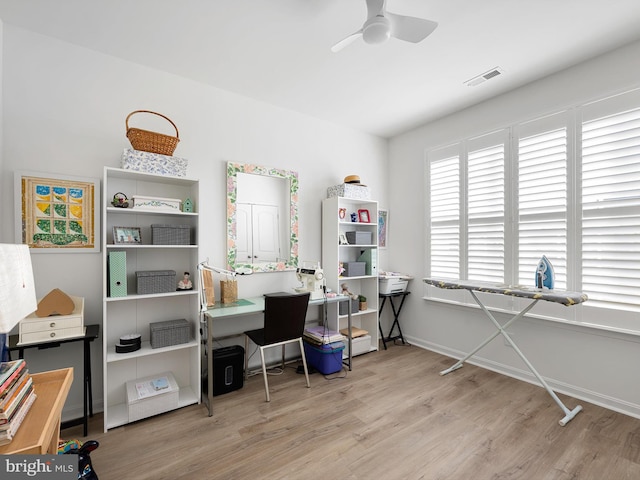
x=595 y=365
x=64 y=109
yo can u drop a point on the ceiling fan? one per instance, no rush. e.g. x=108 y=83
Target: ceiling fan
x=381 y=25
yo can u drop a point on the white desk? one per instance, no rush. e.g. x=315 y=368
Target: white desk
x=535 y=294
x=252 y=306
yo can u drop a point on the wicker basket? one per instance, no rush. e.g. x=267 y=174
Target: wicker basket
x=151 y=141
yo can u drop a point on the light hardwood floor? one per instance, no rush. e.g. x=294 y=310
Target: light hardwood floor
x=392 y=417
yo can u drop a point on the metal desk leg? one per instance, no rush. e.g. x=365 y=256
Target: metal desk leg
x=209 y=352
x=501 y=329
x=88 y=376
x=87 y=385
x=384 y=342
x=350 y=336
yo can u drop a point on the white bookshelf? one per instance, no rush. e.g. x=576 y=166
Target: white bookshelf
x=134 y=312
x=333 y=254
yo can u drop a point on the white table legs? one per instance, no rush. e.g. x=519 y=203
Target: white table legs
x=501 y=330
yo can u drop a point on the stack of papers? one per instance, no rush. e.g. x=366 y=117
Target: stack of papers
x=321 y=335
x=150 y=388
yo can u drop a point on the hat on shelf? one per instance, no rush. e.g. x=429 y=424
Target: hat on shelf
x=354 y=180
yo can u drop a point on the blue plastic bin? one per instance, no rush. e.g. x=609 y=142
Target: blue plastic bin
x=324 y=358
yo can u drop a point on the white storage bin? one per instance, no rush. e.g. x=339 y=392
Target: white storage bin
x=142 y=202
x=155 y=163
x=348 y=190
x=360 y=345
x=144 y=401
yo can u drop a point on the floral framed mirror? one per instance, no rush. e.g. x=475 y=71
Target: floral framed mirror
x=262 y=218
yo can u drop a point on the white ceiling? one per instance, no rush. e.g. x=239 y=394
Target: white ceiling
x=278 y=51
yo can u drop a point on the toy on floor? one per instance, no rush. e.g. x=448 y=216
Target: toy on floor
x=83 y=450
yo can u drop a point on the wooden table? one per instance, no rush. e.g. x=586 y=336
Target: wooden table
x=40 y=430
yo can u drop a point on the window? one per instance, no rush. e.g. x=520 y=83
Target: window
x=542 y=204
x=566 y=186
x=445 y=217
x=611 y=208
x=485 y=214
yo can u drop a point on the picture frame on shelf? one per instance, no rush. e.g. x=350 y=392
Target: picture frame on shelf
x=363 y=215
x=343 y=239
x=127 y=236
x=57 y=213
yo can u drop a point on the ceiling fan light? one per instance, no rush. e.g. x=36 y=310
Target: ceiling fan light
x=377 y=30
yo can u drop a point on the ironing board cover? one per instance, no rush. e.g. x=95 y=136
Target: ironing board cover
x=558 y=296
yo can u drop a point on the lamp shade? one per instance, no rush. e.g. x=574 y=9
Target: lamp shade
x=17 y=288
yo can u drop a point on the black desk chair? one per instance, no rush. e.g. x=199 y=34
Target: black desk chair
x=284 y=318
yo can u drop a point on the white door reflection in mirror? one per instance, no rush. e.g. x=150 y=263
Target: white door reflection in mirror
x=258 y=233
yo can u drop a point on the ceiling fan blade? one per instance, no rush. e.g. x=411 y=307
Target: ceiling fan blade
x=346 y=41
x=410 y=29
x=375 y=8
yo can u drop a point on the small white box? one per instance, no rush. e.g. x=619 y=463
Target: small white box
x=156 y=203
x=143 y=400
x=360 y=345
x=34 y=329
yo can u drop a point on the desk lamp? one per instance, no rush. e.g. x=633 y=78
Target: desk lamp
x=17 y=291
x=207 y=297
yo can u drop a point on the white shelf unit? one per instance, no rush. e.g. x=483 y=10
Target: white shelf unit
x=133 y=313
x=333 y=254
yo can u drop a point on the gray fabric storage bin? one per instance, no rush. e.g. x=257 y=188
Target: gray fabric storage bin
x=170 y=332
x=343 y=307
x=155 y=281
x=359 y=238
x=354 y=269
x=170 y=234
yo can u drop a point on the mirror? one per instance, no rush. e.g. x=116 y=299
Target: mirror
x=262 y=218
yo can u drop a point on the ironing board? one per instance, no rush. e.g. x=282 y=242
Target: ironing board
x=535 y=294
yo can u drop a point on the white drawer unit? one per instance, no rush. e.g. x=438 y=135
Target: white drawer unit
x=34 y=329
x=50 y=335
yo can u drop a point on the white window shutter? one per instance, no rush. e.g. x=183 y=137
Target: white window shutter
x=611 y=208
x=444 y=193
x=485 y=211
x=542 y=204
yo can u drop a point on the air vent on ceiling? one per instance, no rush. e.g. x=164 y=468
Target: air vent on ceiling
x=494 y=72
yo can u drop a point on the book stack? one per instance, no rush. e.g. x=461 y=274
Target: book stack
x=321 y=335
x=16 y=397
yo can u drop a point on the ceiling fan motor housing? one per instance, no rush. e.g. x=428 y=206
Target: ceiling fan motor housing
x=376 y=30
